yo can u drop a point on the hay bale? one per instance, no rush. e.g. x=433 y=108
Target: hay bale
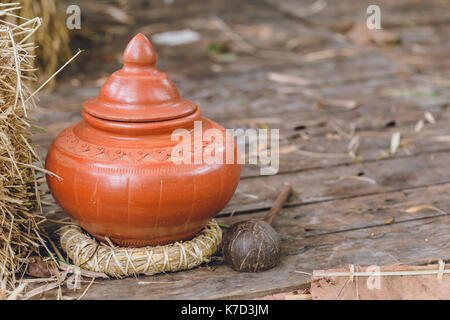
x=19 y=195
x=51 y=40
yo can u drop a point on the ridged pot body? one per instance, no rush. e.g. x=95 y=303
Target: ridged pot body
x=127 y=188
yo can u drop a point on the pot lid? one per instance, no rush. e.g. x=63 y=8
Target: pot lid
x=139 y=92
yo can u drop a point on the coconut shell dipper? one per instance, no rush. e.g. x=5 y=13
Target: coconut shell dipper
x=253 y=245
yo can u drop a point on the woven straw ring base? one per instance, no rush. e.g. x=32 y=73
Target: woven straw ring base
x=87 y=253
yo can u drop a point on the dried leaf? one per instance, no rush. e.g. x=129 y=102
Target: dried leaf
x=312 y=9
x=287 y=149
x=384 y=37
x=116 y=13
x=252 y=196
x=441 y=138
x=362 y=35
x=347 y=104
x=176 y=38
x=353 y=147
x=354 y=144
x=424 y=207
x=395 y=142
x=419 y=126
x=38 y=268
x=365 y=179
x=302 y=90
x=430 y=118
x=328 y=54
x=285 y=78
x=442 y=81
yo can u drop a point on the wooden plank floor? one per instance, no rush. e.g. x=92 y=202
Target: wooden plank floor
x=344 y=210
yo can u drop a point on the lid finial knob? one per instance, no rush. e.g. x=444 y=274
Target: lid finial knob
x=139 y=51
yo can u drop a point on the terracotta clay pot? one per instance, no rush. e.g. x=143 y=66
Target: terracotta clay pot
x=119 y=179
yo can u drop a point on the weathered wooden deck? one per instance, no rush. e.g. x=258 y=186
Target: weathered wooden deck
x=343 y=211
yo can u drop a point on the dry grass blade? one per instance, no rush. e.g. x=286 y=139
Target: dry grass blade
x=53 y=75
x=86 y=290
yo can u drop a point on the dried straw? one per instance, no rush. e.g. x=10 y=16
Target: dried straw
x=19 y=195
x=88 y=254
x=51 y=40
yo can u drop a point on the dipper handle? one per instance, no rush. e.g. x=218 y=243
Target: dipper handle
x=278 y=205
